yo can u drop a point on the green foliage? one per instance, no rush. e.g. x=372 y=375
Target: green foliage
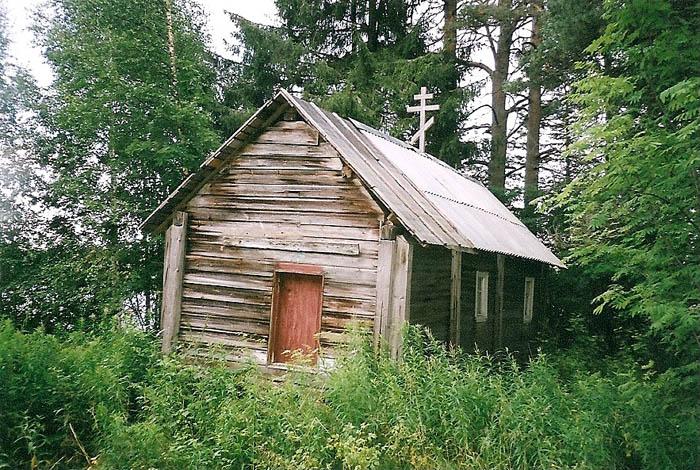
x=120 y=126
x=634 y=213
x=361 y=63
x=433 y=409
x=50 y=385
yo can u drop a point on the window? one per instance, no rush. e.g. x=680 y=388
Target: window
x=481 y=299
x=528 y=299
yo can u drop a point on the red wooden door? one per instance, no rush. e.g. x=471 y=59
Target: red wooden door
x=296 y=316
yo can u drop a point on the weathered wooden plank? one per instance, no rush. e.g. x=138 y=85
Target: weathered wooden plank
x=242 y=281
x=455 y=298
x=290 y=136
x=339 y=322
x=332 y=219
x=283 y=150
x=347 y=249
x=385 y=263
x=294 y=164
x=264 y=268
x=499 y=304
x=215 y=245
x=202 y=248
x=348 y=306
x=309 y=205
x=401 y=293
x=266 y=188
x=240 y=314
x=229 y=296
x=241 y=341
x=223 y=325
x=263 y=175
x=293 y=124
x=282 y=230
x=284 y=199
x=173 y=270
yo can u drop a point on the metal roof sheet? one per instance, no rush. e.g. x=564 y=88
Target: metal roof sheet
x=475 y=212
x=435 y=203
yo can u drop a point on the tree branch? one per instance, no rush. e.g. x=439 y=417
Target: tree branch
x=478 y=65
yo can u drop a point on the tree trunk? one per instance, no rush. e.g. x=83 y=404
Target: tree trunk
x=449 y=39
x=171 y=41
x=353 y=24
x=499 y=123
x=372 y=25
x=534 y=120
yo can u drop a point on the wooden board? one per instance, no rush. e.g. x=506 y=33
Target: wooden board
x=456 y=298
x=400 y=312
x=282 y=199
x=173 y=269
x=385 y=277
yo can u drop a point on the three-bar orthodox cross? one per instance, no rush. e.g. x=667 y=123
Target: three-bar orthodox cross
x=423 y=96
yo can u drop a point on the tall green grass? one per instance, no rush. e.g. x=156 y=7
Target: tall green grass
x=128 y=408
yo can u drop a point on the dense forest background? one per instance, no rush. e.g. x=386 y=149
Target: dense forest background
x=581 y=115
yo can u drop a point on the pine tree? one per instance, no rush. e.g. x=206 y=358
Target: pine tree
x=362 y=59
x=633 y=210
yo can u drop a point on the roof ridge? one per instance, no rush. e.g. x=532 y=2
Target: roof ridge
x=518 y=223
x=394 y=140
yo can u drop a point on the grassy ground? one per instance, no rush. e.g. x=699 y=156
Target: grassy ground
x=108 y=399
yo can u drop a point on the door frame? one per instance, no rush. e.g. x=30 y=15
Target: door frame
x=290 y=268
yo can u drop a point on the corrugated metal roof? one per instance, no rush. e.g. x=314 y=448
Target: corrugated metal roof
x=476 y=213
x=435 y=203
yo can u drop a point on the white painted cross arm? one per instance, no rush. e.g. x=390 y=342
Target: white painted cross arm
x=422 y=108
x=421 y=132
x=419 y=108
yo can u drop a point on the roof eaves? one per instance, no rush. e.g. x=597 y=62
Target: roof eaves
x=156 y=221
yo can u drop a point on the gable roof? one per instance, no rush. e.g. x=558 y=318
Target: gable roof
x=435 y=203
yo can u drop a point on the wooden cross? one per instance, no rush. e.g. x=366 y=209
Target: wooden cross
x=423 y=96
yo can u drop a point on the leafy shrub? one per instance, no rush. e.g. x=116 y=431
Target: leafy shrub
x=52 y=389
x=433 y=409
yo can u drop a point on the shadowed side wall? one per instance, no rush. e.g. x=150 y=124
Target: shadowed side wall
x=431 y=297
x=430 y=289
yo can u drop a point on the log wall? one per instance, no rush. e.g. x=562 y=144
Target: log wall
x=431 y=298
x=516 y=333
x=430 y=289
x=285 y=198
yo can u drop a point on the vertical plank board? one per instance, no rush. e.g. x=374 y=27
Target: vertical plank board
x=401 y=293
x=456 y=298
x=172 y=280
x=500 y=282
x=387 y=249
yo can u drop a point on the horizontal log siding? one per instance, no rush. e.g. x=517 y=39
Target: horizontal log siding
x=475 y=334
x=430 y=289
x=482 y=335
x=517 y=333
x=282 y=199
